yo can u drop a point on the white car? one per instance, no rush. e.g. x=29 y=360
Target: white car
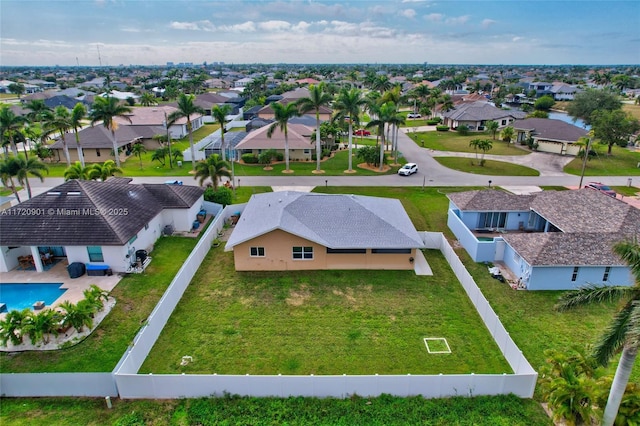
x=414 y=115
x=408 y=169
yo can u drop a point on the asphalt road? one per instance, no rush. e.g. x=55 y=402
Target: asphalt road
x=430 y=173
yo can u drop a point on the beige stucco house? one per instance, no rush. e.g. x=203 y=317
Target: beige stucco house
x=555 y=136
x=298 y=138
x=288 y=230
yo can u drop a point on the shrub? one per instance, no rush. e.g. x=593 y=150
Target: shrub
x=370 y=155
x=442 y=128
x=463 y=129
x=250 y=158
x=434 y=121
x=222 y=195
x=279 y=156
x=267 y=156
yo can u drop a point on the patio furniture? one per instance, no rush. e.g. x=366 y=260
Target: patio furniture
x=98 y=270
x=76 y=269
x=26 y=262
x=38 y=305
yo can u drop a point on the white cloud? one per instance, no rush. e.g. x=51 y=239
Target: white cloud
x=408 y=13
x=193 y=26
x=516 y=39
x=459 y=20
x=245 y=27
x=486 y=23
x=274 y=26
x=435 y=17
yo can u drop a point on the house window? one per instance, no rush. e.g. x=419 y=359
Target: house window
x=575 y=274
x=307 y=151
x=303 y=253
x=95 y=254
x=492 y=220
x=346 y=251
x=135 y=237
x=504 y=122
x=146 y=226
x=391 y=251
x=256 y=252
x=97 y=152
x=607 y=271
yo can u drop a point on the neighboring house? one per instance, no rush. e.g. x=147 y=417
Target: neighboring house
x=556 y=136
x=551 y=240
x=281 y=231
x=63 y=100
x=123 y=96
x=476 y=114
x=101 y=223
x=207 y=101
x=563 y=92
x=266 y=112
x=242 y=82
x=97 y=145
x=157 y=116
x=298 y=135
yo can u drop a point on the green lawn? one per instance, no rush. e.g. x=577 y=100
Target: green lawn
x=136 y=296
x=334 y=166
x=386 y=410
x=323 y=322
x=490 y=167
x=453 y=141
x=621 y=162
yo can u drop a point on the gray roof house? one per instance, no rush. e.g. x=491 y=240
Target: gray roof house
x=552 y=240
x=79 y=219
x=476 y=114
x=555 y=136
x=328 y=231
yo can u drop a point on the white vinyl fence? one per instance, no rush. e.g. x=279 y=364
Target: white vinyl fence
x=132 y=385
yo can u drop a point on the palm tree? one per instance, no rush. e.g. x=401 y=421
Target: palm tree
x=39 y=326
x=219 y=114
x=104 y=171
x=623 y=331
x=29 y=166
x=59 y=121
x=186 y=108
x=77 y=115
x=96 y=296
x=148 y=99
x=396 y=120
x=106 y=110
x=212 y=168
x=381 y=84
x=481 y=144
x=349 y=104
x=492 y=127
x=8 y=170
x=138 y=149
x=384 y=115
x=37 y=109
x=318 y=98
x=507 y=134
x=282 y=114
x=78 y=171
x=10 y=124
x=11 y=327
x=77 y=315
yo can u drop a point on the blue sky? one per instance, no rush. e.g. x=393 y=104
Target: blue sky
x=153 y=32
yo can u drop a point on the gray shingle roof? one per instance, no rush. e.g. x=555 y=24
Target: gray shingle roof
x=66 y=215
x=334 y=221
x=550 y=129
x=99 y=136
x=478 y=111
x=590 y=221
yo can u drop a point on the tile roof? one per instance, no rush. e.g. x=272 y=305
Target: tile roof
x=99 y=136
x=550 y=129
x=298 y=135
x=590 y=223
x=334 y=221
x=478 y=111
x=90 y=213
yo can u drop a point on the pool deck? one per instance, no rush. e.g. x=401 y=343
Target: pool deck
x=58 y=274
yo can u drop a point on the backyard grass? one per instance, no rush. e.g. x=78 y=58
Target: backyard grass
x=621 y=162
x=490 y=167
x=323 y=322
x=453 y=141
x=385 y=410
x=136 y=296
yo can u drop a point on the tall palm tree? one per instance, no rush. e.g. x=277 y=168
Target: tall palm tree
x=106 y=109
x=318 y=98
x=77 y=115
x=381 y=84
x=396 y=120
x=212 y=168
x=8 y=170
x=282 y=114
x=186 y=108
x=623 y=332
x=483 y=145
x=384 y=114
x=349 y=104
x=59 y=121
x=219 y=114
x=10 y=124
x=138 y=149
x=29 y=166
x=37 y=110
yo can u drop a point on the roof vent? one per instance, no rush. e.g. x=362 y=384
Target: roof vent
x=74 y=193
x=279 y=200
x=54 y=193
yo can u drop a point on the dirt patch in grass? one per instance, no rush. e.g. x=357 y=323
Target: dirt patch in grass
x=298 y=297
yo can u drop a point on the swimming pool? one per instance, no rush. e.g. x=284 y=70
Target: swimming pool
x=20 y=296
